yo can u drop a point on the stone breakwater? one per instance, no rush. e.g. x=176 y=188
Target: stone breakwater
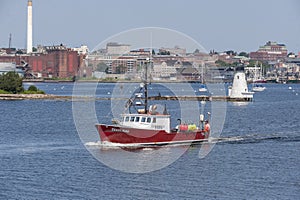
x=30 y=96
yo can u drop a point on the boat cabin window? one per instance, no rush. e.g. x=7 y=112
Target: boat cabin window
x=148 y=119
x=137 y=119
x=132 y=119
x=143 y=119
x=126 y=119
x=140 y=119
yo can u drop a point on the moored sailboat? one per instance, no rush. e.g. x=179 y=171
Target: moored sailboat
x=258 y=79
x=202 y=86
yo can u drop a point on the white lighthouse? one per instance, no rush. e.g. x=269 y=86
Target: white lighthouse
x=29 y=26
x=239 y=89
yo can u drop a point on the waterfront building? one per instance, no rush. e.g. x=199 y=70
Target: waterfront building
x=58 y=61
x=271 y=51
x=48 y=62
x=189 y=71
x=111 y=65
x=123 y=64
x=295 y=60
x=83 y=49
x=201 y=58
x=8 y=67
x=176 y=51
x=223 y=56
x=114 y=48
x=164 y=70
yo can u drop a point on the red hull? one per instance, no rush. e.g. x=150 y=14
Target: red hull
x=125 y=135
x=260 y=81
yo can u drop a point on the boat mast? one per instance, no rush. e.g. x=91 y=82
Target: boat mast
x=202 y=73
x=146 y=87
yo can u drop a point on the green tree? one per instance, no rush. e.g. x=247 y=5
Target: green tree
x=221 y=63
x=19 y=52
x=102 y=67
x=253 y=63
x=164 y=53
x=231 y=52
x=11 y=82
x=197 y=51
x=244 y=54
x=32 y=88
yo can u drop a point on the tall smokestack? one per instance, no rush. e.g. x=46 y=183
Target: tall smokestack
x=29 y=26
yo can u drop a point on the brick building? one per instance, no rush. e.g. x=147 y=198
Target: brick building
x=271 y=51
x=50 y=61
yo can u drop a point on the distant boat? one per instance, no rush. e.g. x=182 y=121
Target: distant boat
x=260 y=79
x=258 y=88
x=202 y=86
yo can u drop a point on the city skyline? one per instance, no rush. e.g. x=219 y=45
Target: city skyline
x=217 y=25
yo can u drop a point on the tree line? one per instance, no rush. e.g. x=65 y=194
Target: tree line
x=12 y=83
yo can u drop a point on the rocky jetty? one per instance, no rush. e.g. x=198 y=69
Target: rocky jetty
x=30 y=96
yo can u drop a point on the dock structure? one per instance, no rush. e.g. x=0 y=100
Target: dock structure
x=200 y=98
x=84 y=98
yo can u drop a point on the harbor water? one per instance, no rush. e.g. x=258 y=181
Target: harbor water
x=256 y=156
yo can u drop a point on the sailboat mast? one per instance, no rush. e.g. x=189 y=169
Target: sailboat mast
x=146 y=89
x=255 y=72
x=202 y=73
x=261 y=71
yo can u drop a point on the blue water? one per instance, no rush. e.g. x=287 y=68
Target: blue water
x=42 y=156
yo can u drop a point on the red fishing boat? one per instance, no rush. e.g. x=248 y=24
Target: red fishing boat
x=148 y=127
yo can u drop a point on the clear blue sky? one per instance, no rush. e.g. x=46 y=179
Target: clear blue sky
x=240 y=25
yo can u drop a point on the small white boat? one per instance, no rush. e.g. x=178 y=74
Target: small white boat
x=258 y=88
x=202 y=88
